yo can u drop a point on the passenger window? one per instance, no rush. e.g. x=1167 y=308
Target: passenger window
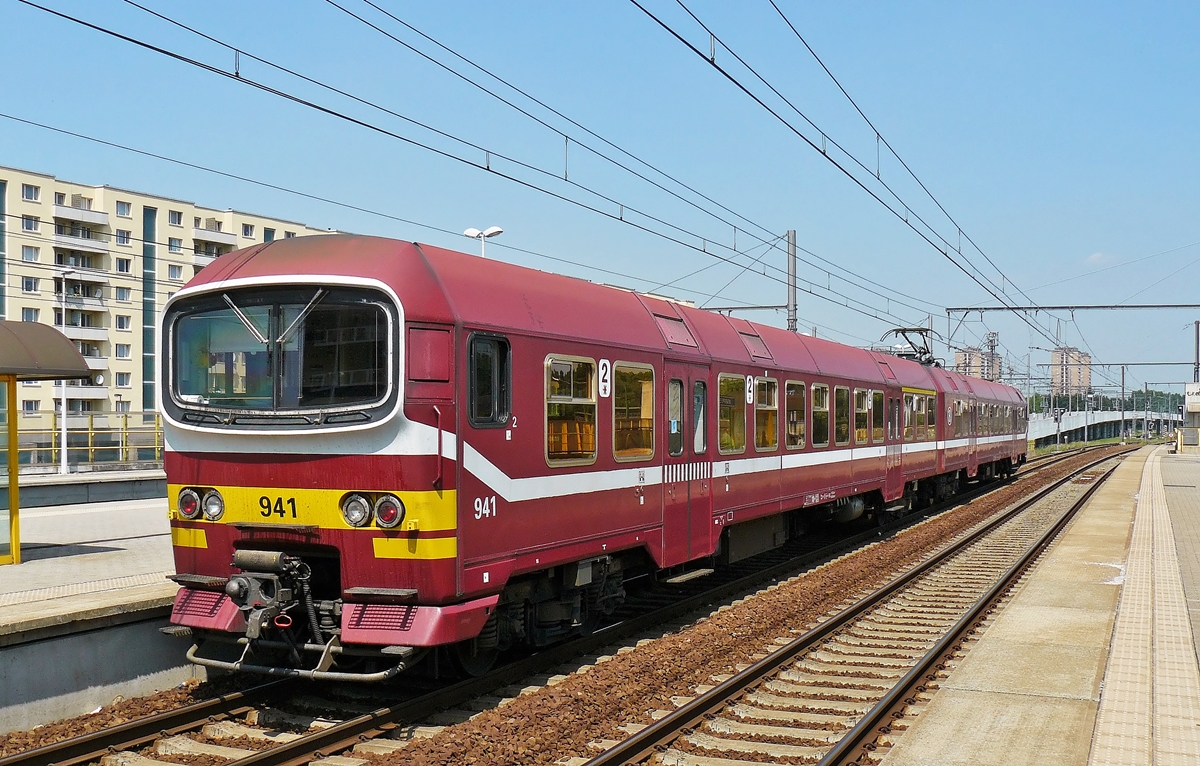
x=919 y=410
x=633 y=412
x=820 y=415
x=841 y=415
x=862 y=415
x=877 y=415
x=794 y=402
x=489 y=398
x=570 y=411
x=766 y=414
x=910 y=418
x=675 y=418
x=731 y=414
x=931 y=416
x=700 y=417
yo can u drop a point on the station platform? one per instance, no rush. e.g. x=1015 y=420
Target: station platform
x=86 y=566
x=1093 y=661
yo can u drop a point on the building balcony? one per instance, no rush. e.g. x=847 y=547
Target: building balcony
x=86 y=303
x=96 y=362
x=202 y=260
x=75 y=332
x=81 y=214
x=83 y=274
x=79 y=239
x=211 y=235
x=75 y=391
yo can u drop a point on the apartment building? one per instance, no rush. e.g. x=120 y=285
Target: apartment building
x=978 y=363
x=1070 y=371
x=99 y=263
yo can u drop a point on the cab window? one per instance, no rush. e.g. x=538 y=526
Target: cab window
x=489 y=398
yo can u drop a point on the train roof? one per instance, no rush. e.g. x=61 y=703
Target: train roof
x=445 y=286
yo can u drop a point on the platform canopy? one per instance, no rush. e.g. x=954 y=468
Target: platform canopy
x=32 y=351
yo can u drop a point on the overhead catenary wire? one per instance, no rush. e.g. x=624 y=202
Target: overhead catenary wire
x=845 y=302
x=891 y=296
x=980 y=280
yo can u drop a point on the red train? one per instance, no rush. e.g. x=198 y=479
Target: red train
x=378 y=448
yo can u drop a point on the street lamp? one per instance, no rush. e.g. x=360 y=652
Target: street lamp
x=483 y=236
x=62 y=422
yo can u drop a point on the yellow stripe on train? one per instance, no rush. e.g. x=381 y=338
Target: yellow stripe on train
x=428 y=511
x=405 y=547
x=186 y=537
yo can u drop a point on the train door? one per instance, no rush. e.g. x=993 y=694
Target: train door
x=687 y=467
x=894 y=449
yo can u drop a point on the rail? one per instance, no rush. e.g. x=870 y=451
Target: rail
x=94 y=440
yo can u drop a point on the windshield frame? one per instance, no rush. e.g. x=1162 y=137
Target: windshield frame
x=252 y=294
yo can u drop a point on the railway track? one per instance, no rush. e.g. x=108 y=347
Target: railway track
x=839 y=693
x=250 y=728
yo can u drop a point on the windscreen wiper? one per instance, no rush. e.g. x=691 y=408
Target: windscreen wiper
x=286 y=335
x=245 y=320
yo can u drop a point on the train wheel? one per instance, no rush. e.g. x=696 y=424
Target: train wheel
x=471 y=659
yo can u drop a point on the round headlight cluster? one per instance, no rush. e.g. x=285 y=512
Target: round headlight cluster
x=214 y=505
x=356 y=509
x=189 y=504
x=389 y=511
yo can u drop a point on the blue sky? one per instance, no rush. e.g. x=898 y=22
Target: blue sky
x=1060 y=137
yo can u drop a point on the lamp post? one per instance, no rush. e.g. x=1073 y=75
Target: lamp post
x=483 y=236
x=62 y=422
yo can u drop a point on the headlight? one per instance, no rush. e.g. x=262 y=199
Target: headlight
x=214 y=505
x=389 y=511
x=356 y=510
x=189 y=504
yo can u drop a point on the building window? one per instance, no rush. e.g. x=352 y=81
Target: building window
x=125 y=265
x=121 y=406
x=123 y=293
x=174 y=271
x=570 y=411
x=29 y=315
x=122 y=236
x=877 y=416
x=29 y=284
x=731 y=413
x=123 y=351
x=820 y=415
x=793 y=403
x=123 y=322
x=196 y=222
x=289 y=234
x=60 y=198
x=862 y=415
x=175 y=245
x=489 y=397
x=30 y=222
x=30 y=193
x=30 y=406
x=247 y=230
x=123 y=379
x=29 y=253
x=124 y=209
x=268 y=234
x=633 y=412
x=766 y=414
x=175 y=217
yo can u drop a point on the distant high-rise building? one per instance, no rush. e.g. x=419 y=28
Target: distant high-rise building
x=978 y=363
x=1070 y=371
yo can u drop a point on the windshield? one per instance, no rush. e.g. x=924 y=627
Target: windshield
x=310 y=349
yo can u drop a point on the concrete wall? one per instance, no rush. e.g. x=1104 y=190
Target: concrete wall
x=61 y=677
